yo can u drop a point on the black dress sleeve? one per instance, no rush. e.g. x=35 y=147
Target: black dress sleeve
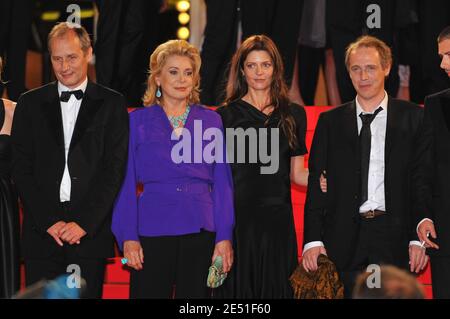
x=299 y=114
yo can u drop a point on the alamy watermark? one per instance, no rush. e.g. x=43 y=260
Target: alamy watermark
x=191 y=149
x=74 y=279
x=374 y=19
x=374 y=279
x=74 y=19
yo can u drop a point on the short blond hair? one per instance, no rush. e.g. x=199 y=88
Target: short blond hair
x=62 y=28
x=159 y=58
x=368 y=41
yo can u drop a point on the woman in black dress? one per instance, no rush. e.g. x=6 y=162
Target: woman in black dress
x=9 y=214
x=265 y=240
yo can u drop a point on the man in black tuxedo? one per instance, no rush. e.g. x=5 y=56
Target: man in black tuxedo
x=371 y=150
x=437 y=222
x=69 y=142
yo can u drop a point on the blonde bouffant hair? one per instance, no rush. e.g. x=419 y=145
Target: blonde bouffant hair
x=159 y=58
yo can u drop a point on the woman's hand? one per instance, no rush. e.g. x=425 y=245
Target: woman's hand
x=225 y=250
x=133 y=252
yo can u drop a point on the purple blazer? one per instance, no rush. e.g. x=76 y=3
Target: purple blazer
x=176 y=199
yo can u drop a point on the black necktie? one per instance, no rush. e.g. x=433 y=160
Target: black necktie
x=65 y=95
x=365 y=138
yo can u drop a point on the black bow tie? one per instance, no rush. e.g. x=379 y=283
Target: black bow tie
x=65 y=95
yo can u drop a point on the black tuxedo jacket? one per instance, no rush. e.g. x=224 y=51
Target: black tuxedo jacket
x=437 y=115
x=96 y=163
x=332 y=217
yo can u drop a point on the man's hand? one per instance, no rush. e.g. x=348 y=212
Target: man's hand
x=323 y=182
x=71 y=233
x=225 y=250
x=417 y=258
x=133 y=252
x=310 y=258
x=425 y=229
x=54 y=231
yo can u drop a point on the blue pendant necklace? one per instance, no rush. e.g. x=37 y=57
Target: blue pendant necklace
x=180 y=120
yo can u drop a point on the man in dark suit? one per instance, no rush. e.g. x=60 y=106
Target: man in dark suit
x=371 y=150
x=437 y=222
x=69 y=141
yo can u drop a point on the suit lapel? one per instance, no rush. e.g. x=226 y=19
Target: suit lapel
x=391 y=129
x=445 y=107
x=350 y=130
x=89 y=106
x=52 y=111
x=351 y=125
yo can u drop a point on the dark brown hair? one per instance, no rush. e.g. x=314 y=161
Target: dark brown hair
x=444 y=35
x=237 y=85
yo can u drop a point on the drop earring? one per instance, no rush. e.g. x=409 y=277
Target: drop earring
x=158 y=92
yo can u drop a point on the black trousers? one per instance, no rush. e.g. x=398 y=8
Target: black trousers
x=218 y=48
x=127 y=33
x=91 y=270
x=15 y=27
x=309 y=62
x=374 y=246
x=174 y=267
x=440 y=277
x=279 y=20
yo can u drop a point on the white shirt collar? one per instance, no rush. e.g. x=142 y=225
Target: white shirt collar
x=383 y=105
x=82 y=87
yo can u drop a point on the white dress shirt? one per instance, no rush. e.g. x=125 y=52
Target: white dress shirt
x=375 y=183
x=69 y=112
